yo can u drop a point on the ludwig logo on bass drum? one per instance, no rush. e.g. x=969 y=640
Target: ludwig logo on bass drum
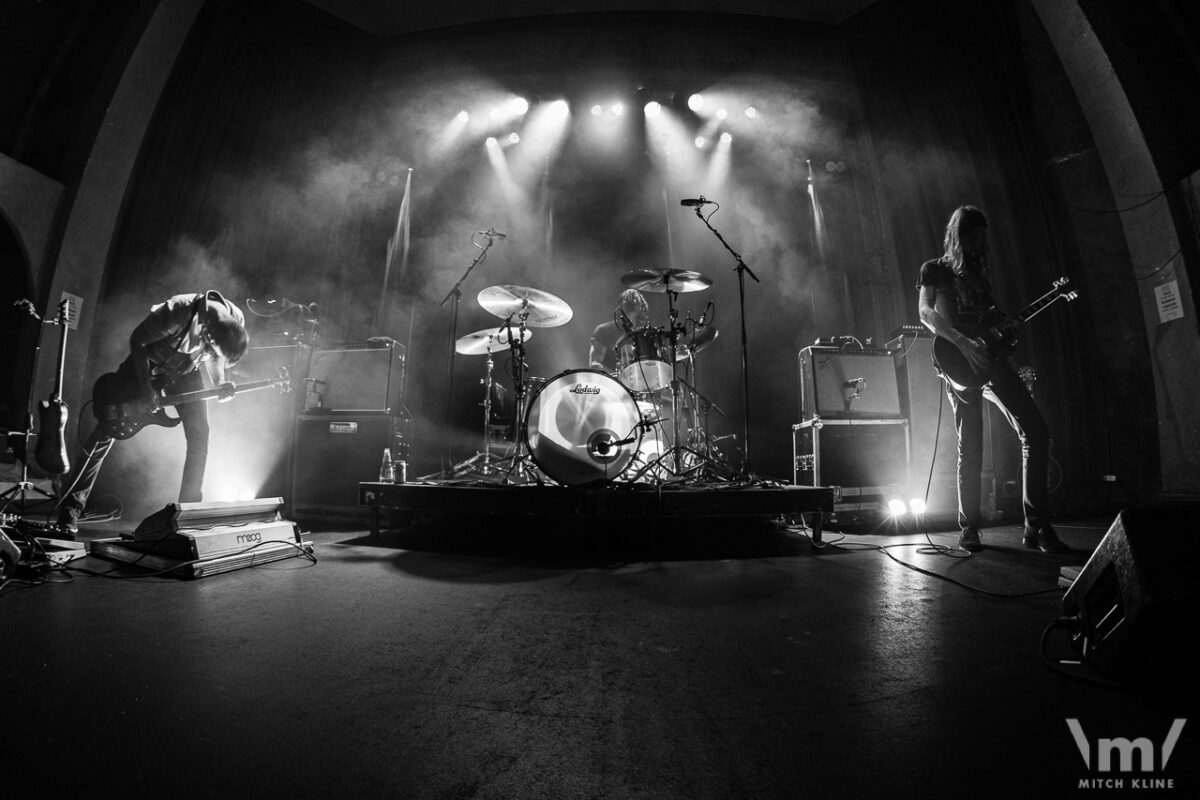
x=585 y=388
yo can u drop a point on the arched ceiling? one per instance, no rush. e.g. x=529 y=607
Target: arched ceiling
x=385 y=18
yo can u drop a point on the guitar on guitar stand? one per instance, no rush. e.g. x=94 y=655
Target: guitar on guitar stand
x=51 y=450
x=998 y=335
x=120 y=412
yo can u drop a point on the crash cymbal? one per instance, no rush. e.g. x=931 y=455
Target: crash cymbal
x=490 y=340
x=666 y=280
x=693 y=343
x=544 y=309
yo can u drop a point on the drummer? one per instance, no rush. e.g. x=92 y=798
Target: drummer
x=631 y=314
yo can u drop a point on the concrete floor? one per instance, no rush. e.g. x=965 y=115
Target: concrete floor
x=481 y=658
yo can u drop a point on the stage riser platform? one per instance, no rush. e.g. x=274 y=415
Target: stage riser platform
x=645 y=502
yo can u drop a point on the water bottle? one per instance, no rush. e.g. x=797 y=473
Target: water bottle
x=387 y=469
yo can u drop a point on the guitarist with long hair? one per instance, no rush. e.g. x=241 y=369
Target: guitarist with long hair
x=183 y=341
x=956 y=298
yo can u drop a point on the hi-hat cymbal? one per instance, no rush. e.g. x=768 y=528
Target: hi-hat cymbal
x=666 y=280
x=490 y=340
x=543 y=309
x=700 y=338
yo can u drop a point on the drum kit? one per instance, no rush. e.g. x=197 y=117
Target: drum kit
x=586 y=426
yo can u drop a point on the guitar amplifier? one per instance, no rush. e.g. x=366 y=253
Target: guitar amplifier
x=333 y=453
x=848 y=384
x=359 y=377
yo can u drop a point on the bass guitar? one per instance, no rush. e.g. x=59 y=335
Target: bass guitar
x=120 y=411
x=998 y=335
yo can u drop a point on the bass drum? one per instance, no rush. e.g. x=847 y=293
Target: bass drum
x=583 y=426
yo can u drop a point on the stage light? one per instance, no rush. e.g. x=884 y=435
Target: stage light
x=652 y=108
x=618 y=108
x=896 y=507
x=491 y=142
x=514 y=138
x=495 y=113
x=917 y=506
x=695 y=102
x=519 y=105
x=722 y=113
x=559 y=109
x=463 y=117
x=701 y=141
x=751 y=112
x=726 y=137
x=597 y=110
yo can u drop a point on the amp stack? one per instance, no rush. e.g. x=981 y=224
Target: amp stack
x=353 y=410
x=853 y=435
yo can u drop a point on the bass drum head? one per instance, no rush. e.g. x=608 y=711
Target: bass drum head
x=574 y=422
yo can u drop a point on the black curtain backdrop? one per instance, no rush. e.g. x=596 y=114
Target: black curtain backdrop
x=946 y=98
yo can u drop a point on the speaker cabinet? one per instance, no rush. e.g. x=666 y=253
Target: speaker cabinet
x=848 y=384
x=334 y=452
x=1135 y=598
x=930 y=423
x=368 y=377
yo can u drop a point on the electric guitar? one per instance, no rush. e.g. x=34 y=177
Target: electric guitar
x=997 y=333
x=120 y=411
x=51 y=448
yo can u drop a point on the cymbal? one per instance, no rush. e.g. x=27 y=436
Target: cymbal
x=543 y=309
x=691 y=344
x=490 y=340
x=666 y=280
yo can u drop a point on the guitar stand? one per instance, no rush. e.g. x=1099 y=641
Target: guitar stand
x=20 y=490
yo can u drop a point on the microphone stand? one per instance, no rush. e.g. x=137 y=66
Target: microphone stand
x=742 y=270
x=456 y=294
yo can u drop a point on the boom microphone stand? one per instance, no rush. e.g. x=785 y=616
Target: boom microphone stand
x=742 y=270
x=456 y=295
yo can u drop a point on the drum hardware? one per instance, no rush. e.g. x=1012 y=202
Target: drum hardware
x=485 y=342
x=670 y=282
x=531 y=308
x=455 y=294
x=742 y=269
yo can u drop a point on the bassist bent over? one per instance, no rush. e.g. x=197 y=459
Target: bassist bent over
x=955 y=296
x=182 y=340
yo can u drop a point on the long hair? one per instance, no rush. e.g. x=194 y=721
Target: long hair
x=963 y=221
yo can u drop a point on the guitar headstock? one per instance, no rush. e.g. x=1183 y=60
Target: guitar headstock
x=284 y=382
x=1060 y=286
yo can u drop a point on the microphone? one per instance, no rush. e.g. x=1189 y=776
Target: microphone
x=699 y=201
x=855 y=383
x=625 y=324
x=704 y=317
x=492 y=232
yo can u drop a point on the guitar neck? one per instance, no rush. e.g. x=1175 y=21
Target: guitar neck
x=1037 y=306
x=209 y=394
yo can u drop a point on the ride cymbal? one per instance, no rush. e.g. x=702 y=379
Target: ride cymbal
x=541 y=309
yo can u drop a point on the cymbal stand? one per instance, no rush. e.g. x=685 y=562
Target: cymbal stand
x=455 y=294
x=484 y=457
x=520 y=461
x=742 y=270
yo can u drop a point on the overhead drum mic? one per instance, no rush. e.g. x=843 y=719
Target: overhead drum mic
x=699 y=201
x=492 y=232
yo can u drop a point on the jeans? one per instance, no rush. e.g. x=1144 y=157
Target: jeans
x=1009 y=394
x=194 y=417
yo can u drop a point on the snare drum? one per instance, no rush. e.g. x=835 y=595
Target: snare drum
x=583 y=426
x=644 y=360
